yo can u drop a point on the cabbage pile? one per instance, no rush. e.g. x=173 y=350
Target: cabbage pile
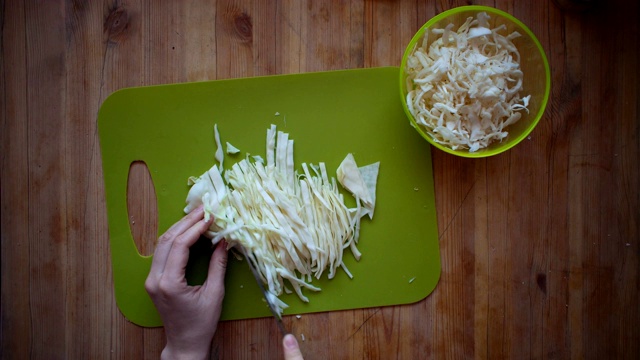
x=292 y=226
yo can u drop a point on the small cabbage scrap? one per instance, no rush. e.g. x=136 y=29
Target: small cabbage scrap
x=219 y=155
x=232 y=150
x=465 y=87
x=292 y=226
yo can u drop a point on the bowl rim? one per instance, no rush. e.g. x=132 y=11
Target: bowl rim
x=545 y=98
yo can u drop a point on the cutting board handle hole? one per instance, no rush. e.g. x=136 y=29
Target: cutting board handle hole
x=142 y=208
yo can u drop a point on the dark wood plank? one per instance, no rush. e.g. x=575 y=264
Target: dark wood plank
x=14 y=172
x=89 y=302
x=45 y=63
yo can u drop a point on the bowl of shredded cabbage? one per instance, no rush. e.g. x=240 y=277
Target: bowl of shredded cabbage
x=474 y=81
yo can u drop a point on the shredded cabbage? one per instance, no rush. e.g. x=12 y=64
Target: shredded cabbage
x=292 y=226
x=465 y=87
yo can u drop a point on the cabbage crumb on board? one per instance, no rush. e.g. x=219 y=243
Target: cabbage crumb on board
x=294 y=226
x=464 y=89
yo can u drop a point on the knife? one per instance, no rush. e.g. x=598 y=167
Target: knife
x=265 y=294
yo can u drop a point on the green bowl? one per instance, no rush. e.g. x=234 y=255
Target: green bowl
x=533 y=62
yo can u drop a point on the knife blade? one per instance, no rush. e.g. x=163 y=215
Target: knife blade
x=265 y=294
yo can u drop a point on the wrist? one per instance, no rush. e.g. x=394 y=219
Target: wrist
x=177 y=353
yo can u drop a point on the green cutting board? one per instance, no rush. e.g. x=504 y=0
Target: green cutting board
x=328 y=115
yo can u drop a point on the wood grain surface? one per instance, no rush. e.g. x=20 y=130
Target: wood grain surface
x=539 y=245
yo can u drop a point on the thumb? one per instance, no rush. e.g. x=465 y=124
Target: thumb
x=291 y=348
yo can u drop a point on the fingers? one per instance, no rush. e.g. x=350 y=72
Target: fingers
x=178 y=256
x=291 y=348
x=214 y=285
x=165 y=242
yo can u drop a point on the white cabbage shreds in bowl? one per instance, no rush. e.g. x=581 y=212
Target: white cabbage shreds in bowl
x=474 y=81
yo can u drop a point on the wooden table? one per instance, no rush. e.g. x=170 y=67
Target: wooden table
x=539 y=246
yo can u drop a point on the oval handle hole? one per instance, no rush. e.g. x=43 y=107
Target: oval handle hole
x=142 y=208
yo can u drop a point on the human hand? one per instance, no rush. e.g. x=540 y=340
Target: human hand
x=190 y=313
x=291 y=348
